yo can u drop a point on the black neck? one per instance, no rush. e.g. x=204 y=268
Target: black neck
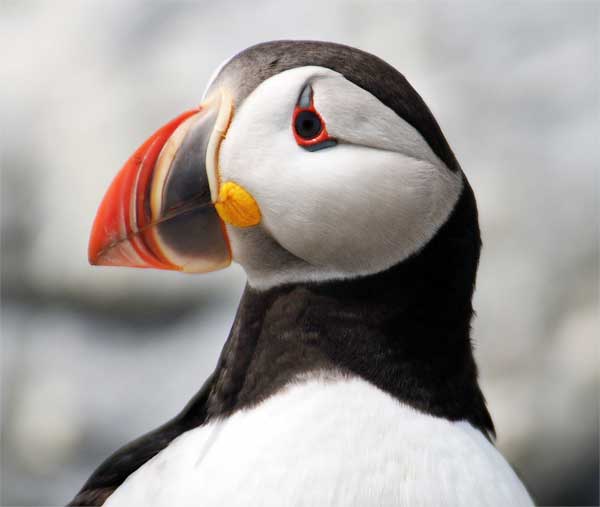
x=406 y=330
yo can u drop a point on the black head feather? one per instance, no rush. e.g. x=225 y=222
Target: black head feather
x=245 y=71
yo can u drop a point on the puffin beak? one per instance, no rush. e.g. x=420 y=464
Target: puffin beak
x=159 y=212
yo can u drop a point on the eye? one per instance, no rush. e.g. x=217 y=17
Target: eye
x=308 y=125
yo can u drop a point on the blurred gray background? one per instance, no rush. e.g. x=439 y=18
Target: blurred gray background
x=93 y=357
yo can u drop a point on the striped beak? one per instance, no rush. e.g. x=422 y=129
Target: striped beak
x=159 y=211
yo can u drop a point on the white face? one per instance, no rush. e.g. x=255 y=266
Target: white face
x=353 y=209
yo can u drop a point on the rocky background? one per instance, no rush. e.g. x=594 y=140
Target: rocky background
x=93 y=357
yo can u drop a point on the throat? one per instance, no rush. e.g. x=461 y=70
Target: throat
x=405 y=330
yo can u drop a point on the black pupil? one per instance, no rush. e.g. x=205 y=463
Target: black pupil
x=308 y=125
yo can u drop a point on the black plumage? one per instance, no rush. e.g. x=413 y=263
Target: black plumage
x=406 y=330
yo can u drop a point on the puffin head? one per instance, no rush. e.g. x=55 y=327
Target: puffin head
x=305 y=161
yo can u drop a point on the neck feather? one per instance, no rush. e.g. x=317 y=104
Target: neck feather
x=406 y=330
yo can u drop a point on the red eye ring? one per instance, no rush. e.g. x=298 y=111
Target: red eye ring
x=302 y=132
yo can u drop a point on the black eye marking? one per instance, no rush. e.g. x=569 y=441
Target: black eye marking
x=308 y=125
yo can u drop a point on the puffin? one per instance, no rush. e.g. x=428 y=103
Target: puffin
x=348 y=377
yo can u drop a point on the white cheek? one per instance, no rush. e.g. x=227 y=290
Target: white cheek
x=358 y=118
x=357 y=210
x=345 y=210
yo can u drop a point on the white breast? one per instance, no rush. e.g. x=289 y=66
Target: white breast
x=324 y=442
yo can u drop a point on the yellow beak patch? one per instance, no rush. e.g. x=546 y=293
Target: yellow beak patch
x=236 y=206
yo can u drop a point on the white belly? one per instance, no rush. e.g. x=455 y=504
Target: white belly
x=326 y=443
